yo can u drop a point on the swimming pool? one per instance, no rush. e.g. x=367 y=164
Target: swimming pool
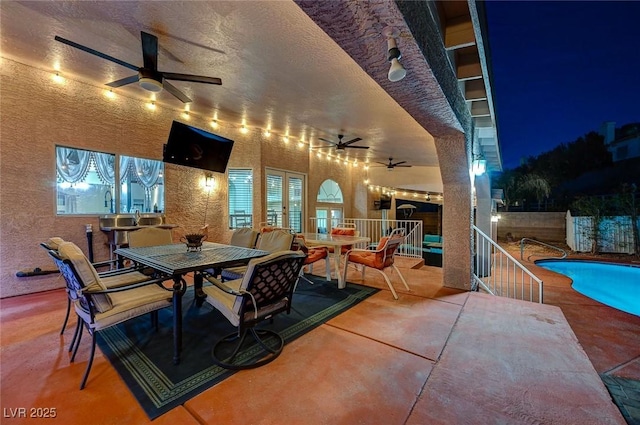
x=615 y=285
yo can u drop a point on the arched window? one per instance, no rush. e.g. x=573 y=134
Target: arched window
x=330 y=192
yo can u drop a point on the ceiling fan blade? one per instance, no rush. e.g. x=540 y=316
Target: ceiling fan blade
x=174 y=91
x=382 y=163
x=149 y=50
x=95 y=52
x=194 y=78
x=357 y=147
x=124 y=81
x=328 y=141
x=357 y=139
x=398 y=163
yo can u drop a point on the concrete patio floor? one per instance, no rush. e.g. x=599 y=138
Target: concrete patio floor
x=435 y=356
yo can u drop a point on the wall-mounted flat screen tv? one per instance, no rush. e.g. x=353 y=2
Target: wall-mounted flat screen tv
x=384 y=203
x=193 y=147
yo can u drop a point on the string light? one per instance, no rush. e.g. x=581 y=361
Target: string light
x=110 y=94
x=58 y=78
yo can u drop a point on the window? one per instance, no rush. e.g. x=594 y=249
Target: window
x=240 y=198
x=86 y=183
x=329 y=192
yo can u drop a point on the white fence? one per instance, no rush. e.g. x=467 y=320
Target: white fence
x=616 y=234
x=375 y=229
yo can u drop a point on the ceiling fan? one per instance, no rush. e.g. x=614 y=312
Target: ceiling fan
x=391 y=165
x=149 y=77
x=342 y=145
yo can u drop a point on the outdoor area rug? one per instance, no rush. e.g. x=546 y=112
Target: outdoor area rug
x=143 y=356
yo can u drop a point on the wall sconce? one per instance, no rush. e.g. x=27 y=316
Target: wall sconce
x=479 y=166
x=397 y=71
x=209 y=181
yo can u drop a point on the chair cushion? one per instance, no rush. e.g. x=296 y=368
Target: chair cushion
x=224 y=302
x=54 y=242
x=347 y=231
x=123 y=279
x=129 y=304
x=274 y=241
x=315 y=254
x=382 y=243
x=150 y=236
x=370 y=259
x=244 y=237
x=233 y=273
x=432 y=239
x=87 y=274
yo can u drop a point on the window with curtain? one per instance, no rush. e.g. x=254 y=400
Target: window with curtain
x=86 y=183
x=240 y=197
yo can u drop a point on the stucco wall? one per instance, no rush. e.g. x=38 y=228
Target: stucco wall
x=37 y=114
x=542 y=226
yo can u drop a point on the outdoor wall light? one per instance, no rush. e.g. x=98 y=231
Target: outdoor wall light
x=397 y=71
x=209 y=181
x=479 y=166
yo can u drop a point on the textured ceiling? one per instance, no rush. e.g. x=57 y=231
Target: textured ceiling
x=279 y=68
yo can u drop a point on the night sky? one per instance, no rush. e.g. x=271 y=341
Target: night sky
x=560 y=69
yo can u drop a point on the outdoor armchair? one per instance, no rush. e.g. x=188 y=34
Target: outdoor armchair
x=98 y=307
x=265 y=290
x=378 y=259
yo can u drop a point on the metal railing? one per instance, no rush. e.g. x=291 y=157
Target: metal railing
x=498 y=273
x=522 y=244
x=374 y=229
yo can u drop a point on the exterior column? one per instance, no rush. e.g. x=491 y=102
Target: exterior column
x=457 y=214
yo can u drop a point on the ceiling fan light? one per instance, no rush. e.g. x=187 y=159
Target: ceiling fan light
x=150 y=84
x=397 y=71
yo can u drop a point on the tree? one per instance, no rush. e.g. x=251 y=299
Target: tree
x=535 y=185
x=625 y=203
x=594 y=207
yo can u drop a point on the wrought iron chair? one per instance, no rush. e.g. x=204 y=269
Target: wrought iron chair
x=96 y=306
x=271 y=241
x=379 y=259
x=110 y=278
x=265 y=290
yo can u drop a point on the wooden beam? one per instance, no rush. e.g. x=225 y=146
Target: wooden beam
x=458 y=33
x=468 y=64
x=475 y=90
x=480 y=109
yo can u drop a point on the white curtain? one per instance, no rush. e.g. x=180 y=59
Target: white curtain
x=72 y=165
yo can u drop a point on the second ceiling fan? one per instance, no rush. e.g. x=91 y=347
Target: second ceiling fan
x=391 y=165
x=343 y=145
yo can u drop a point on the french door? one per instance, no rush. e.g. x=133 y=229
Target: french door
x=285 y=199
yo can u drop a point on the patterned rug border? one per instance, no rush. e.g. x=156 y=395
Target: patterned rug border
x=163 y=393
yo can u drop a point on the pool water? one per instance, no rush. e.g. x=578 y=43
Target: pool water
x=615 y=285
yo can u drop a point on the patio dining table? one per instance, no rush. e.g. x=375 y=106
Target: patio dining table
x=337 y=242
x=174 y=260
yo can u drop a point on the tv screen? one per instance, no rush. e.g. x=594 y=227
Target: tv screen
x=383 y=204
x=193 y=147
